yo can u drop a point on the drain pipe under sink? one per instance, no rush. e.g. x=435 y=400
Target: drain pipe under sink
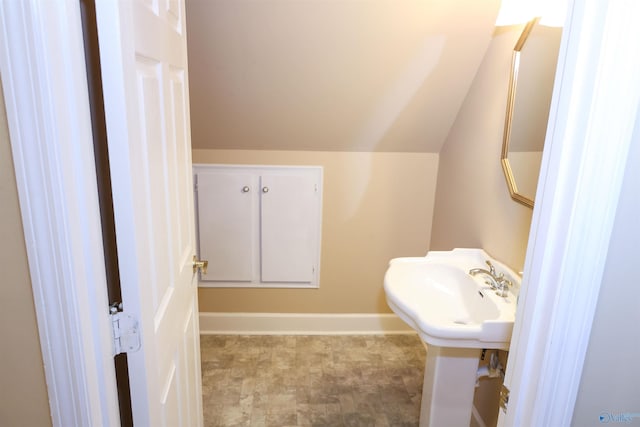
x=493 y=370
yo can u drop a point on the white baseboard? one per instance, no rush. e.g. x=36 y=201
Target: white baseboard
x=301 y=324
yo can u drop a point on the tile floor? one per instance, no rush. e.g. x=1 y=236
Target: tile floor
x=312 y=380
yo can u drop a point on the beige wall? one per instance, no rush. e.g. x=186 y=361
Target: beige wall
x=23 y=400
x=375 y=75
x=525 y=166
x=473 y=206
x=536 y=75
x=376 y=206
x=611 y=372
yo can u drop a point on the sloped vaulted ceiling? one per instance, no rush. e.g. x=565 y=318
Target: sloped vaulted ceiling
x=332 y=75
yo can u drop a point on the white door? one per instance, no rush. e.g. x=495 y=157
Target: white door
x=144 y=71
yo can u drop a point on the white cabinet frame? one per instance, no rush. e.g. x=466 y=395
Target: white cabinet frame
x=258 y=225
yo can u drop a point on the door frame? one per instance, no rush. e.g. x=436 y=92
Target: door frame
x=49 y=125
x=44 y=78
x=591 y=122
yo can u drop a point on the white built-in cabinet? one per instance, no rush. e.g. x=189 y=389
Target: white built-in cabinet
x=259 y=226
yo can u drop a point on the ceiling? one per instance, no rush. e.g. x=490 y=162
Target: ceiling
x=332 y=75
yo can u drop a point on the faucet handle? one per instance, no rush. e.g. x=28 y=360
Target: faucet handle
x=492 y=269
x=503 y=285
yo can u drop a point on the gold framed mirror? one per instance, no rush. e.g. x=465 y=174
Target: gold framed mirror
x=533 y=67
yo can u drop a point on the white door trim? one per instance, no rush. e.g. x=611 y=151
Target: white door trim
x=42 y=68
x=592 y=119
x=43 y=75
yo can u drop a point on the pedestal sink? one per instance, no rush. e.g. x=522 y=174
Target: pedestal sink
x=457 y=315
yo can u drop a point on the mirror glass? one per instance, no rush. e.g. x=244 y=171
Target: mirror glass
x=533 y=69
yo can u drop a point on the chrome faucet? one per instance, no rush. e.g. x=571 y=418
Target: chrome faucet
x=498 y=282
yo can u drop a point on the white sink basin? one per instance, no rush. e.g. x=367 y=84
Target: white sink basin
x=447 y=306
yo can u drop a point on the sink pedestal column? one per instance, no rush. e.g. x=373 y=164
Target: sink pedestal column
x=449 y=384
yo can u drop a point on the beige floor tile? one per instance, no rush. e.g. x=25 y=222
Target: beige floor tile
x=316 y=381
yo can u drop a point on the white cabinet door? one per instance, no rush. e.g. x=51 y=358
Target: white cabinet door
x=227 y=226
x=289 y=209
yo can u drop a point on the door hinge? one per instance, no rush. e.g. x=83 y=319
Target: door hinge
x=124 y=326
x=504 y=398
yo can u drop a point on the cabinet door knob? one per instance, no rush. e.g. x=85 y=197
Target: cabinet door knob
x=265 y=189
x=245 y=189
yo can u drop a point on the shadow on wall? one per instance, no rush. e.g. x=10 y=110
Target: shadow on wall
x=335 y=76
x=473 y=207
x=402 y=90
x=388 y=220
